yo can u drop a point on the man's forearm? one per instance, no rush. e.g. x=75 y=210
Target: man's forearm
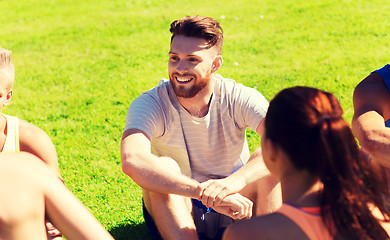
x=155 y=174
x=215 y=190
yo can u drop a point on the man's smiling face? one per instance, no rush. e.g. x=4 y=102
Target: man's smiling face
x=190 y=65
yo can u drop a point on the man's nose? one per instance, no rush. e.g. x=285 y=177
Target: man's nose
x=182 y=67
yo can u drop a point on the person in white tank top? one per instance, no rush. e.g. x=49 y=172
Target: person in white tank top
x=17 y=135
x=371 y=119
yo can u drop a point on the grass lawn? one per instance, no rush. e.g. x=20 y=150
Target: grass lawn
x=79 y=65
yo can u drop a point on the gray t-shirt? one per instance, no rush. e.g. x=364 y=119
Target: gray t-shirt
x=210 y=147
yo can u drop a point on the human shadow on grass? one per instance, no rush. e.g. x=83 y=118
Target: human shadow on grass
x=133 y=231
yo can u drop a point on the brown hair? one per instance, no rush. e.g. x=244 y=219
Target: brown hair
x=307 y=124
x=201 y=27
x=6 y=65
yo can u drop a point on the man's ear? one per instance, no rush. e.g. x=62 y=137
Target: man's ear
x=217 y=63
x=8 y=98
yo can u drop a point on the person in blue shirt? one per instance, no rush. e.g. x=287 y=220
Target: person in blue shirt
x=370 y=123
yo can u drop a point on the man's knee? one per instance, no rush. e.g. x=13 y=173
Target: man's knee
x=256 y=153
x=161 y=202
x=269 y=197
x=265 y=194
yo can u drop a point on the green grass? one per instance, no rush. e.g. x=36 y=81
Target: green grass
x=79 y=64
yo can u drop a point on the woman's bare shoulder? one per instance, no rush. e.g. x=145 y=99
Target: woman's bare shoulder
x=269 y=227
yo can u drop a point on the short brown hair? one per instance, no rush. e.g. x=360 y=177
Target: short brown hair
x=6 y=65
x=201 y=27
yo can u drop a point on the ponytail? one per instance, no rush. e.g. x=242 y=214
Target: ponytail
x=318 y=139
x=353 y=187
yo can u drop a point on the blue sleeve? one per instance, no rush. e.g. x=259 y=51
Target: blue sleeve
x=385 y=74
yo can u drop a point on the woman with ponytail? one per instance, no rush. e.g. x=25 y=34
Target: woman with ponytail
x=328 y=188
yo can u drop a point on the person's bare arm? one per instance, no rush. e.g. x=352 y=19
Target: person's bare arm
x=149 y=171
x=371 y=100
x=235 y=206
x=152 y=173
x=35 y=141
x=216 y=190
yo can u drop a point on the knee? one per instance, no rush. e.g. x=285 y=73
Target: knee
x=256 y=153
x=153 y=200
x=165 y=198
x=269 y=195
x=267 y=185
x=157 y=197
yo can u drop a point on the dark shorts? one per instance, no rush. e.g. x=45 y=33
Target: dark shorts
x=210 y=225
x=150 y=223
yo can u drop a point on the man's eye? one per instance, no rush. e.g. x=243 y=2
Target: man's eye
x=193 y=60
x=174 y=58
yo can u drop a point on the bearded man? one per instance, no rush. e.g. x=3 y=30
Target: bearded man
x=185 y=144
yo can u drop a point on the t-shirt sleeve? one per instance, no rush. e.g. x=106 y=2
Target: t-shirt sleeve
x=385 y=74
x=145 y=114
x=250 y=107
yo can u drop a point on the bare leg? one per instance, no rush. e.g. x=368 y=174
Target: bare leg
x=269 y=196
x=171 y=213
x=29 y=189
x=265 y=193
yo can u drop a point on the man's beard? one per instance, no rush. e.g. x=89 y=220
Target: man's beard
x=185 y=92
